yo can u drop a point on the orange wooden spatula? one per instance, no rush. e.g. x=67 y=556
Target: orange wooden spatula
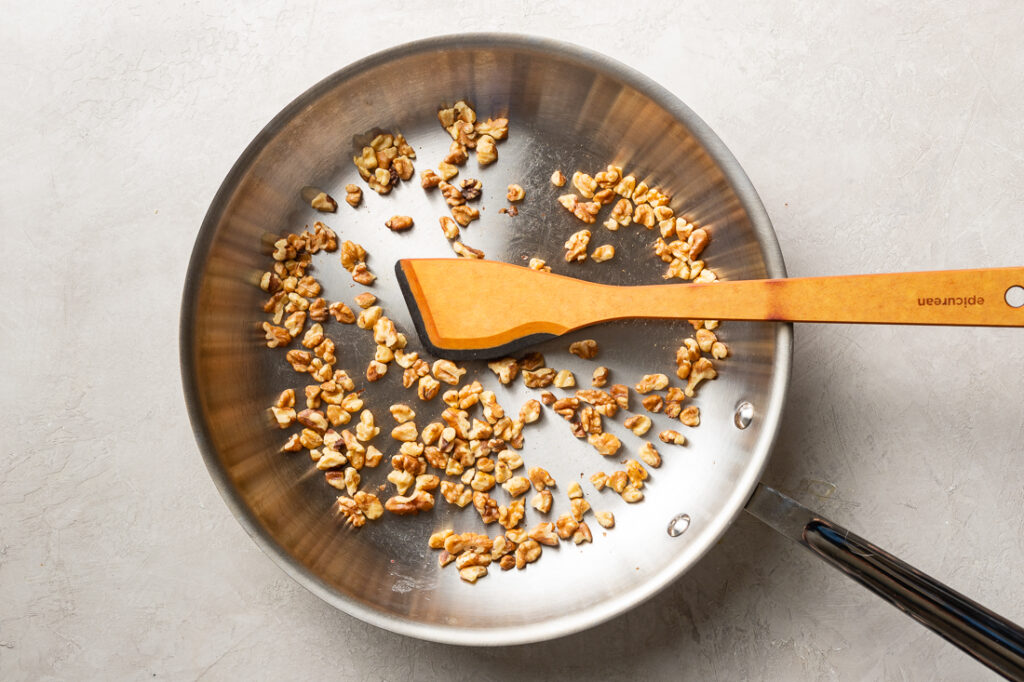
x=466 y=308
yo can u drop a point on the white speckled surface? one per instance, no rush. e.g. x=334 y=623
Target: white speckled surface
x=879 y=139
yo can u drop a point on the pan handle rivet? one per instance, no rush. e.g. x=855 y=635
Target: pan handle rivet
x=678 y=525
x=744 y=415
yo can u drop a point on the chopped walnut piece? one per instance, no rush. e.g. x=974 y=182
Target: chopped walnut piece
x=368 y=318
x=284 y=416
x=702 y=369
x=403 y=167
x=605 y=443
x=539 y=265
x=365 y=300
x=465 y=251
x=719 y=350
x=472 y=573
x=428 y=388
x=599 y=480
x=375 y=370
x=403 y=505
x=515 y=193
x=564 y=379
x=464 y=215
x=471 y=189
x=506 y=369
x=600 y=377
x=353 y=195
x=650 y=455
x=398 y=223
x=576 y=247
x=324 y=203
x=690 y=416
x=558 y=179
x=565 y=526
x=495 y=127
x=452 y=196
x=606 y=519
x=447 y=171
x=529 y=412
x=402 y=413
x=540 y=378
x=342 y=313
x=429 y=179
x=362 y=275
x=653 y=403
x=486 y=151
x=548 y=398
x=631 y=494
x=436 y=540
x=516 y=486
x=586 y=348
x=584 y=184
x=405 y=432
x=448 y=372
x=672 y=437
x=544 y=533
x=574 y=491
x=651 y=382
x=639 y=424
x=527 y=552
x=603 y=253
x=540 y=478
x=449 y=227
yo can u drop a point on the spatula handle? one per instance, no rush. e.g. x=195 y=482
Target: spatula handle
x=982 y=297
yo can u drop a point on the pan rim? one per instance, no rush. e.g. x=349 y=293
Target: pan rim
x=597 y=613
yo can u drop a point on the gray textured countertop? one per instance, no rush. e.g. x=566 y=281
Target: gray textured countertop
x=880 y=139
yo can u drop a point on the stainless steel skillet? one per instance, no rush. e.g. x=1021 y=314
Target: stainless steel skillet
x=569 y=109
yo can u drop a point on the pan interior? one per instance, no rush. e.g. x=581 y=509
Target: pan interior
x=568 y=110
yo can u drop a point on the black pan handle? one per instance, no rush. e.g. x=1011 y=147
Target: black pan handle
x=987 y=636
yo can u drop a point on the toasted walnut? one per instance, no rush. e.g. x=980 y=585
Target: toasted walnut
x=324 y=203
x=690 y=416
x=584 y=184
x=599 y=480
x=465 y=251
x=579 y=507
x=719 y=350
x=529 y=412
x=353 y=195
x=464 y=215
x=472 y=573
x=603 y=253
x=586 y=349
x=348 y=508
x=532 y=361
x=527 y=552
x=672 y=437
x=429 y=179
x=351 y=254
x=618 y=481
x=702 y=369
x=403 y=505
x=314 y=419
x=471 y=189
x=539 y=265
x=286 y=398
x=366 y=430
x=403 y=167
x=653 y=403
x=565 y=526
x=516 y=486
x=650 y=455
x=576 y=247
x=651 y=382
x=368 y=318
x=362 y=275
x=600 y=377
x=447 y=171
x=428 y=388
x=342 y=313
x=582 y=534
x=540 y=378
x=606 y=519
x=398 y=223
x=515 y=193
x=284 y=416
x=544 y=533
x=452 y=196
x=632 y=494
x=406 y=431
x=557 y=178
x=644 y=215
x=486 y=151
x=605 y=443
x=270 y=282
x=506 y=369
x=495 y=127
x=375 y=370
x=436 y=540
x=540 y=478
x=639 y=424
x=448 y=372
x=564 y=379
x=352 y=402
x=402 y=413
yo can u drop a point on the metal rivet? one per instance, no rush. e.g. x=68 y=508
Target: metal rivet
x=744 y=415
x=678 y=525
x=1015 y=296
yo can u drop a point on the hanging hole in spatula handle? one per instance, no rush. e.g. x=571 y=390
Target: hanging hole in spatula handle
x=1014 y=296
